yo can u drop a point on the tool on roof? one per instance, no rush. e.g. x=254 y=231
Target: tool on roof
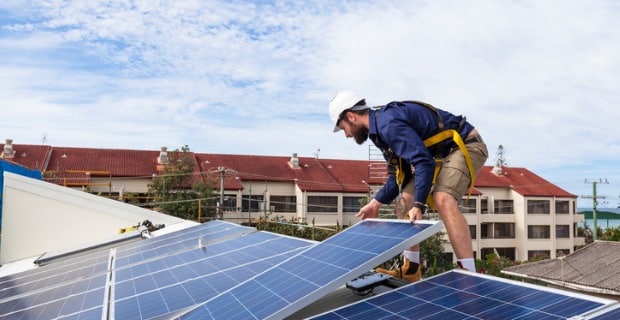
x=145 y=228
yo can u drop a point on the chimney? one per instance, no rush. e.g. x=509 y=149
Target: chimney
x=163 y=156
x=294 y=162
x=8 y=151
x=497 y=169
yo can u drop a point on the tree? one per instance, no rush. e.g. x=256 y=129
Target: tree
x=431 y=251
x=177 y=191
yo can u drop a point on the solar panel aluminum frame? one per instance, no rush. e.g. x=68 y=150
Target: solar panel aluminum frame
x=435 y=226
x=608 y=313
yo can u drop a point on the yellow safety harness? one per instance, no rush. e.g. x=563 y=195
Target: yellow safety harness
x=439 y=137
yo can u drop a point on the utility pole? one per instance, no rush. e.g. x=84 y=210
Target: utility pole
x=222 y=171
x=594 y=197
x=220 y=205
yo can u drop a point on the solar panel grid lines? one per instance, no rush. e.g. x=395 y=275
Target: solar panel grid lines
x=96 y=263
x=53 y=302
x=38 y=278
x=172 y=283
x=170 y=244
x=78 y=286
x=187 y=293
x=463 y=295
x=298 y=281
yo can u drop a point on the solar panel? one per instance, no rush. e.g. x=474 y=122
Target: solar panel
x=91 y=264
x=464 y=295
x=307 y=276
x=53 y=275
x=84 y=295
x=78 y=285
x=166 y=285
x=210 y=232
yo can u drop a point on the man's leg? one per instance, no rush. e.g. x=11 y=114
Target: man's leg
x=457 y=228
x=452 y=183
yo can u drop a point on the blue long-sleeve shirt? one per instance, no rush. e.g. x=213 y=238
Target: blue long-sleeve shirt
x=401 y=128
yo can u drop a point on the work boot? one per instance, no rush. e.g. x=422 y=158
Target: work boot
x=410 y=272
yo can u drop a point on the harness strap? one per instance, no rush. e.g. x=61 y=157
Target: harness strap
x=456 y=137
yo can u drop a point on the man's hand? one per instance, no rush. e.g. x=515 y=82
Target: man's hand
x=370 y=210
x=415 y=214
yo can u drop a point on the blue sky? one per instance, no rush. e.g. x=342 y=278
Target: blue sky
x=540 y=78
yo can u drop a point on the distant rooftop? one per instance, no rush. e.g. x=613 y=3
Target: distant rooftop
x=594 y=268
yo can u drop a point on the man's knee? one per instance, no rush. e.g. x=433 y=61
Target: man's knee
x=444 y=200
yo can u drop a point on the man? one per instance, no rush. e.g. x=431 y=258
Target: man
x=412 y=135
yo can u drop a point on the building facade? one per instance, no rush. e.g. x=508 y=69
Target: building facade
x=511 y=211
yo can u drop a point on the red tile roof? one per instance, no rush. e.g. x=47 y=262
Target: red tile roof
x=31 y=156
x=315 y=175
x=521 y=180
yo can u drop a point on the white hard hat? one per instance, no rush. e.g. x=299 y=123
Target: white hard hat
x=344 y=100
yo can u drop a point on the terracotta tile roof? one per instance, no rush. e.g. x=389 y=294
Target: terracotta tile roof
x=521 y=180
x=316 y=175
x=31 y=156
x=311 y=175
x=594 y=268
x=118 y=162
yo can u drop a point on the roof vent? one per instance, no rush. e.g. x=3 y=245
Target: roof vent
x=294 y=162
x=497 y=170
x=163 y=156
x=8 y=151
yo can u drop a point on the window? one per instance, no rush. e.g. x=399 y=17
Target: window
x=538 y=232
x=322 y=204
x=562 y=252
x=562 y=207
x=484 y=205
x=503 y=252
x=351 y=204
x=562 y=231
x=230 y=202
x=283 y=203
x=472 y=231
x=504 y=230
x=504 y=206
x=251 y=203
x=538 y=254
x=538 y=206
x=468 y=205
x=497 y=231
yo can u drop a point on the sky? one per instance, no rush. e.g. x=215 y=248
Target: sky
x=540 y=78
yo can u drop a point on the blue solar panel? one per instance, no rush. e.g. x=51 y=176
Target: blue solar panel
x=51 y=302
x=77 y=286
x=171 y=243
x=171 y=283
x=302 y=279
x=53 y=275
x=96 y=263
x=465 y=295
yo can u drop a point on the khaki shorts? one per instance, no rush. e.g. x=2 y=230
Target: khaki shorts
x=453 y=177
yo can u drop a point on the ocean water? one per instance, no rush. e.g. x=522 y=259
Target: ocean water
x=603 y=223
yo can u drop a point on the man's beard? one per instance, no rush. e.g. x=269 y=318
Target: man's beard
x=359 y=133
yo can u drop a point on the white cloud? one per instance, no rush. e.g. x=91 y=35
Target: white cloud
x=538 y=77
